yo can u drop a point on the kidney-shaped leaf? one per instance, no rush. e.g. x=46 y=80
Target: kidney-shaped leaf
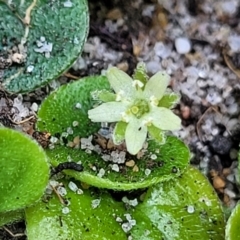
x=67 y=108
x=232 y=228
x=184 y=208
x=171 y=159
x=39 y=40
x=90 y=215
x=24 y=170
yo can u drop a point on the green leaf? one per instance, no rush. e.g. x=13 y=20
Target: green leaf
x=232 y=228
x=140 y=73
x=65 y=27
x=70 y=104
x=184 y=208
x=46 y=221
x=10 y=217
x=169 y=100
x=107 y=96
x=119 y=132
x=24 y=170
x=171 y=159
x=157 y=134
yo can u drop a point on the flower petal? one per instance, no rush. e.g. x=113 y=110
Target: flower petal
x=156 y=85
x=164 y=118
x=135 y=136
x=107 y=112
x=120 y=81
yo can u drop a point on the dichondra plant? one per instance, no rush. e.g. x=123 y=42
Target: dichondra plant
x=107 y=132
x=109 y=162
x=175 y=201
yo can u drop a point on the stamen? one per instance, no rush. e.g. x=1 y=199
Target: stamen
x=154 y=101
x=125 y=117
x=137 y=83
x=119 y=95
x=148 y=122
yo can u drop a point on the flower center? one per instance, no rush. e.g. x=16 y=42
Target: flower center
x=139 y=108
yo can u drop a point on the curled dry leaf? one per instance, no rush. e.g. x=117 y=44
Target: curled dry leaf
x=230 y=64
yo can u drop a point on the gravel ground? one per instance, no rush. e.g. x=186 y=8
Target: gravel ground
x=197 y=44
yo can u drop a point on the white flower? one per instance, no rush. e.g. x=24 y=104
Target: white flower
x=136 y=108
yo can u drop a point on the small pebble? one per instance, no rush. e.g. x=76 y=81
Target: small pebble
x=221 y=144
x=95 y=203
x=30 y=68
x=54 y=183
x=153 y=156
x=185 y=110
x=182 y=45
x=75 y=123
x=135 y=168
x=230 y=193
x=62 y=191
x=226 y=171
x=34 y=107
x=114 y=14
x=42 y=39
x=94 y=168
x=133 y=202
x=234 y=43
x=101 y=173
x=147 y=172
x=118 y=219
x=65 y=210
x=76 y=140
x=226 y=199
x=130 y=163
x=228 y=7
x=68 y=4
x=115 y=167
x=218 y=182
x=123 y=66
x=69 y=131
x=231 y=178
x=126 y=227
x=78 y=105
x=79 y=191
x=53 y=139
x=73 y=186
x=190 y=209
x=110 y=144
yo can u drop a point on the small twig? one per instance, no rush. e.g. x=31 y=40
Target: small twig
x=23 y=121
x=12 y=234
x=27 y=18
x=201 y=118
x=230 y=64
x=69 y=75
x=58 y=195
